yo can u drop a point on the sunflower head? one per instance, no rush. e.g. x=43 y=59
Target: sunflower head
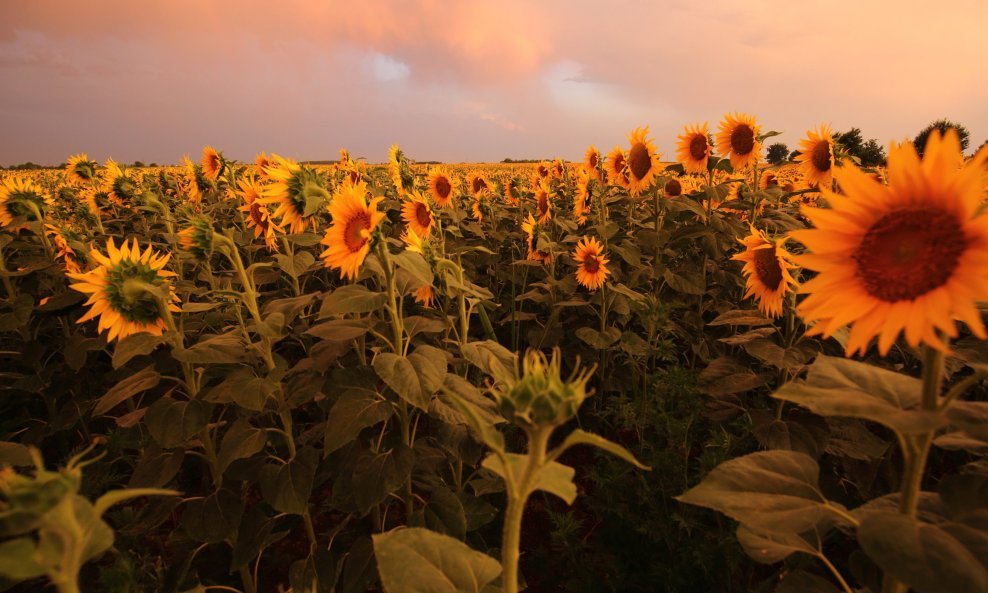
x=441 y=186
x=642 y=161
x=738 y=139
x=80 y=169
x=297 y=192
x=400 y=171
x=21 y=199
x=261 y=163
x=511 y=190
x=120 y=187
x=543 y=170
x=256 y=211
x=417 y=214
x=127 y=290
x=767 y=269
x=581 y=198
x=591 y=264
x=348 y=239
x=543 y=202
x=557 y=169
x=617 y=168
x=673 y=188
x=904 y=257
x=542 y=397
x=767 y=179
x=816 y=156
x=61 y=237
x=592 y=163
x=693 y=148
x=212 y=163
x=197 y=237
x=478 y=183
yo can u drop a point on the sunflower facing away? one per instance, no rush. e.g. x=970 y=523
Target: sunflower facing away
x=738 y=139
x=80 y=169
x=592 y=270
x=673 y=188
x=511 y=190
x=581 y=198
x=19 y=197
x=257 y=214
x=643 y=161
x=591 y=163
x=297 y=193
x=117 y=290
x=530 y=227
x=908 y=256
x=693 y=148
x=417 y=214
x=347 y=240
x=212 y=163
x=616 y=166
x=425 y=294
x=197 y=238
x=399 y=170
x=816 y=156
x=766 y=266
x=120 y=188
x=261 y=162
x=441 y=186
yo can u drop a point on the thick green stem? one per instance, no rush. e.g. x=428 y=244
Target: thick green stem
x=518 y=493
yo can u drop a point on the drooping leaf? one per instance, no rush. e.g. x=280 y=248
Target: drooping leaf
x=416 y=560
x=399 y=374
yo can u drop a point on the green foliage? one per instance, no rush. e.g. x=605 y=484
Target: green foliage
x=941 y=125
x=777 y=153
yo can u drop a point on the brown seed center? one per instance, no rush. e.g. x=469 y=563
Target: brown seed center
x=443 y=187
x=255 y=215
x=422 y=215
x=674 y=188
x=479 y=185
x=767 y=267
x=742 y=139
x=908 y=253
x=639 y=160
x=543 y=204
x=821 y=156
x=594 y=160
x=591 y=264
x=353 y=235
x=698 y=147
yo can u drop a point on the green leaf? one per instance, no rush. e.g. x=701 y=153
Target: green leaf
x=245 y=389
x=840 y=387
x=923 y=556
x=352 y=298
x=772 y=547
x=354 y=411
x=597 y=340
x=240 y=442
x=775 y=491
x=172 y=423
x=214 y=518
x=377 y=475
x=225 y=348
x=430 y=364
x=683 y=284
x=414 y=264
x=554 y=478
x=17 y=560
x=340 y=330
x=139 y=382
x=297 y=264
x=727 y=375
x=416 y=560
x=135 y=345
x=400 y=375
x=581 y=437
x=287 y=487
x=492 y=358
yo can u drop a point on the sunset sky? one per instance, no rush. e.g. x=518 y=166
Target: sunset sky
x=470 y=80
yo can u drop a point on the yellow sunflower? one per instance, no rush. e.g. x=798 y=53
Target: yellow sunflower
x=543 y=170
x=816 y=156
x=80 y=169
x=297 y=193
x=400 y=171
x=616 y=166
x=478 y=203
x=643 y=161
x=738 y=139
x=441 y=186
x=767 y=179
x=530 y=227
x=557 y=169
x=63 y=250
x=347 y=240
x=591 y=163
x=120 y=188
x=478 y=183
x=592 y=269
x=767 y=270
x=417 y=214
x=261 y=163
x=21 y=197
x=257 y=213
x=543 y=203
x=693 y=148
x=673 y=188
x=118 y=289
x=212 y=163
x=197 y=238
x=511 y=190
x=908 y=256
x=581 y=199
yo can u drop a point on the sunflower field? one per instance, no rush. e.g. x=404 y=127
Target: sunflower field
x=627 y=374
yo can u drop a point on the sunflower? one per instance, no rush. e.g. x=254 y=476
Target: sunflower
x=80 y=169
x=196 y=183
x=478 y=183
x=258 y=215
x=643 y=161
x=347 y=240
x=591 y=163
x=767 y=179
x=425 y=295
x=908 y=256
x=557 y=169
x=212 y=163
x=261 y=163
x=197 y=238
x=21 y=197
x=738 y=138
x=63 y=250
x=441 y=186
x=511 y=190
x=400 y=171
x=816 y=156
x=581 y=199
x=767 y=270
x=673 y=188
x=417 y=214
x=119 y=187
x=543 y=203
x=530 y=227
x=118 y=290
x=592 y=269
x=478 y=203
x=297 y=193
x=693 y=149
x=616 y=166
x=543 y=170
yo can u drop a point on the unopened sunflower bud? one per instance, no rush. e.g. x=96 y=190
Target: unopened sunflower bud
x=541 y=396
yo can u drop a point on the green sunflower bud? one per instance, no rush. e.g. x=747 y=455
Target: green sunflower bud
x=541 y=396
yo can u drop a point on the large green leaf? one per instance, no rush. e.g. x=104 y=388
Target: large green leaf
x=774 y=491
x=400 y=375
x=355 y=410
x=287 y=487
x=492 y=358
x=554 y=477
x=139 y=382
x=351 y=298
x=772 y=547
x=172 y=422
x=582 y=437
x=416 y=560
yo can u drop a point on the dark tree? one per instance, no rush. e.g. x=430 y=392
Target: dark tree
x=943 y=125
x=777 y=153
x=851 y=141
x=872 y=154
x=794 y=154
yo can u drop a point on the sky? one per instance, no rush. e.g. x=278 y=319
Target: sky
x=471 y=80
